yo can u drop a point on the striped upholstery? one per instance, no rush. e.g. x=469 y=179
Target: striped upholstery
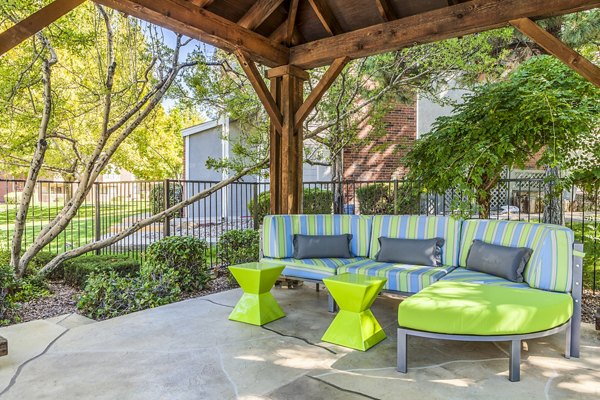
x=315 y=268
x=465 y=275
x=279 y=230
x=418 y=227
x=550 y=265
x=400 y=277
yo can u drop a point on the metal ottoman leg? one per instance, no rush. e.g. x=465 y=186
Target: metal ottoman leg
x=331 y=303
x=514 y=371
x=402 y=353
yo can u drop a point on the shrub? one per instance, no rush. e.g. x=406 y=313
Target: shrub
x=315 y=201
x=186 y=255
x=378 y=198
x=38 y=262
x=7 y=283
x=77 y=270
x=157 y=197
x=108 y=295
x=238 y=246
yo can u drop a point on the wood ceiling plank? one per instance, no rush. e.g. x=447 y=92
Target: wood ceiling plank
x=258 y=13
x=261 y=88
x=554 y=46
x=447 y=22
x=326 y=16
x=37 y=21
x=317 y=93
x=190 y=20
x=201 y=3
x=385 y=10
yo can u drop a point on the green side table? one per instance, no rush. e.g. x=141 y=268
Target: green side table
x=355 y=325
x=257 y=305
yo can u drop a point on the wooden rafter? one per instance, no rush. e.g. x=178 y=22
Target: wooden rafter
x=279 y=35
x=448 y=22
x=258 y=13
x=202 y=3
x=326 y=16
x=324 y=84
x=188 y=19
x=261 y=88
x=291 y=21
x=34 y=23
x=385 y=10
x=554 y=46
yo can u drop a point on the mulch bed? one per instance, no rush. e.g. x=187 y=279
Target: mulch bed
x=64 y=300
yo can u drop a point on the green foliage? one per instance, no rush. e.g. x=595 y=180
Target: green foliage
x=315 y=201
x=238 y=247
x=541 y=108
x=388 y=198
x=77 y=271
x=157 y=197
x=15 y=291
x=108 y=295
x=186 y=255
x=37 y=262
x=7 y=281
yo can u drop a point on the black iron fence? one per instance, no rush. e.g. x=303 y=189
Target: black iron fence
x=112 y=206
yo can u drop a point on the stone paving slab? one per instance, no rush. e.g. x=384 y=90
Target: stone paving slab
x=190 y=350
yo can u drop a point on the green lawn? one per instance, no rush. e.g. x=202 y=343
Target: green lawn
x=80 y=231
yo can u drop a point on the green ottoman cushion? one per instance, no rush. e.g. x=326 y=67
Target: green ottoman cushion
x=462 y=308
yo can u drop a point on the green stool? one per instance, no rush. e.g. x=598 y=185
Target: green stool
x=257 y=305
x=355 y=325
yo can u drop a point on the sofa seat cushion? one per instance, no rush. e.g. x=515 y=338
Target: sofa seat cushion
x=473 y=309
x=311 y=268
x=469 y=276
x=400 y=277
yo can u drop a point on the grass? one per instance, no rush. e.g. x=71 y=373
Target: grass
x=81 y=230
x=588 y=233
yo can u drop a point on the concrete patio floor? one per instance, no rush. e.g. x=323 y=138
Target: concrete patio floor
x=189 y=350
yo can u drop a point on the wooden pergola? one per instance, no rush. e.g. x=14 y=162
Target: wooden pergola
x=291 y=36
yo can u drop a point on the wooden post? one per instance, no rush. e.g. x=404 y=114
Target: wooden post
x=287 y=145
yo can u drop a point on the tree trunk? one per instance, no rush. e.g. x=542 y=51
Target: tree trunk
x=553 y=213
x=337 y=178
x=483 y=202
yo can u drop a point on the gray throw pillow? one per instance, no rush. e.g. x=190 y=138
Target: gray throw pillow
x=503 y=261
x=411 y=251
x=322 y=246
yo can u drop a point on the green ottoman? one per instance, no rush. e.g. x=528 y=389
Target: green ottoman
x=355 y=325
x=257 y=305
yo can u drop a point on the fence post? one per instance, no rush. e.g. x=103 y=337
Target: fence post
x=167 y=220
x=97 y=219
x=254 y=212
x=395 y=196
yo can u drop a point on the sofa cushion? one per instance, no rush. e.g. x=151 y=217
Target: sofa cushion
x=472 y=309
x=549 y=267
x=400 y=277
x=279 y=230
x=465 y=275
x=317 y=269
x=322 y=246
x=503 y=261
x=418 y=227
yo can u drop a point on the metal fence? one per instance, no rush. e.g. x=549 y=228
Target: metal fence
x=112 y=206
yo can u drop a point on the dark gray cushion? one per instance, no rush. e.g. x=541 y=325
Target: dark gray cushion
x=411 y=251
x=322 y=246
x=505 y=262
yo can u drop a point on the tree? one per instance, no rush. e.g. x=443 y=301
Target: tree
x=543 y=108
x=115 y=77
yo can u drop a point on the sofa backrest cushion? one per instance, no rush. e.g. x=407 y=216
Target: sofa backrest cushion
x=279 y=230
x=418 y=227
x=550 y=265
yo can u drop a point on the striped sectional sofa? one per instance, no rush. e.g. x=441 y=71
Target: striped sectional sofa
x=450 y=301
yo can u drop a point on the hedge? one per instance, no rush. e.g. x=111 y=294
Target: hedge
x=315 y=201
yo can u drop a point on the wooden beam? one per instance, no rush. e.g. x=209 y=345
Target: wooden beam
x=279 y=35
x=385 y=10
x=325 y=83
x=326 y=16
x=554 y=46
x=444 y=23
x=258 y=13
x=31 y=25
x=288 y=70
x=291 y=21
x=190 y=20
x=261 y=88
x=201 y=3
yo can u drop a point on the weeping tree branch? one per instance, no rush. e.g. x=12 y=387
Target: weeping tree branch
x=100 y=244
